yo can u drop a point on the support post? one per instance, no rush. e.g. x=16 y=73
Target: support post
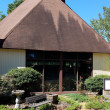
x=43 y=80
x=92 y=66
x=61 y=74
x=77 y=81
x=77 y=72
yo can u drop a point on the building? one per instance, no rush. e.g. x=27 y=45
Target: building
x=48 y=36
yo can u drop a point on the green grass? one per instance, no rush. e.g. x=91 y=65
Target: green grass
x=77 y=97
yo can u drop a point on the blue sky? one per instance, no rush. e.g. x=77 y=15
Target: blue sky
x=86 y=9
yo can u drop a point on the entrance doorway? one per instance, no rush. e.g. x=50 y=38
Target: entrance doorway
x=62 y=71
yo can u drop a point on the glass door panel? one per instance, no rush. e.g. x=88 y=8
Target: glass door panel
x=69 y=76
x=51 y=76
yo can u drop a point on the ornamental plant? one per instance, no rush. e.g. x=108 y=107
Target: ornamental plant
x=73 y=104
x=95 y=84
x=94 y=105
x=26 y=79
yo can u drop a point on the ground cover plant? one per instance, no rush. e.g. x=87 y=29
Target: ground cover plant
x=77 y=97
x=4 y=107
x=97 y=102
x=73 y=105
x=42 y=107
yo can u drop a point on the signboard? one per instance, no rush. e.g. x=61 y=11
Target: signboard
x=107 y=84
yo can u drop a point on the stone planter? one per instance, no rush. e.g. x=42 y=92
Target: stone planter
x=53 y=97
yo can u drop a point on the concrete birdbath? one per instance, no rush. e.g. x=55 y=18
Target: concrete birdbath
x=18 y=94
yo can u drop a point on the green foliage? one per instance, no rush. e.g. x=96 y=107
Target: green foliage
x=4 y=107
x=106 y=105
x=95 y=105
x=53 y=86
x=71 y=108
x=69 y=84
x=102 y=24
x=98 y=105
x=73 y=104
x=0 y=81
x=95 y=84
x=99 y=98
x=27 y=79
x=78 y=97
x=97 y=102
x=45 y=107
x=13 y=5
x=2 y=16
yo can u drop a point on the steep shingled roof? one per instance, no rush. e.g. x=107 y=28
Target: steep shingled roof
x=49 y=25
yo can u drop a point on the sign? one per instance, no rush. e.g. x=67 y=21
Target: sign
x=107 y=84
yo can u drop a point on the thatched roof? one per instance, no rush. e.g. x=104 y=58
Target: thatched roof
x=49 y=25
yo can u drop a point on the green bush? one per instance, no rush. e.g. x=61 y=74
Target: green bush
x=106 y=105
x=0 y=81
x=97 y=102
x=95 y=84
x=51 y=87
x=94 y=105
x=99 y=98
x=77 y=97
x=45 y=107
x=71 y=108
x=26 y=79
x=69 y=84
x=73 y=104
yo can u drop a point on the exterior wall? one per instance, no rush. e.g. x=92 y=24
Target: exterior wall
x=11 y=58
x=101 y=64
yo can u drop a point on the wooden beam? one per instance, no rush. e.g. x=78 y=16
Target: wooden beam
x=43 y=80
x=61 y=74
x=77 y=71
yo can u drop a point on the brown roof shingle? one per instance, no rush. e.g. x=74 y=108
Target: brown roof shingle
x=49 y=25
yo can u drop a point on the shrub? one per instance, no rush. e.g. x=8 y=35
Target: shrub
x=53 y=86
x=78 y=97
x=94 y=105
x=69 y=84
x=26 y=79
x=0 y=81
x=95 y=84
x=73 y=104
x=99 y=98
x=106 y=105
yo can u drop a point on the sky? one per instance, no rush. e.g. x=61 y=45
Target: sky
x=86 y=9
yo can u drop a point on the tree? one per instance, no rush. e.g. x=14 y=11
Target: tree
x=102 y=24
x=13 y=5
x=2 y=16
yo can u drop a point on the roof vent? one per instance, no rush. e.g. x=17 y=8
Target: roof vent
x=63 y=1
